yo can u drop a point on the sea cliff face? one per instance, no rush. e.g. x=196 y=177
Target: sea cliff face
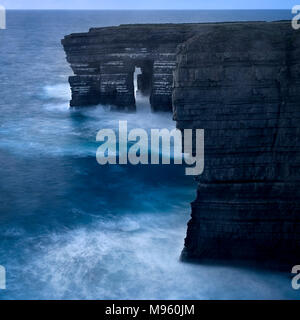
x=104 y=60
x=241 y=83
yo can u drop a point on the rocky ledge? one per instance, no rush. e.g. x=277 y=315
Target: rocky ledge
x=241 y=83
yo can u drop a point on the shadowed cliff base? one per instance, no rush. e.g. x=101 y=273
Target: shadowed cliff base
x=241 y=83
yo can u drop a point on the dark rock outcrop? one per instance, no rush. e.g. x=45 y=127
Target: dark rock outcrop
x=104 y=59
x=241 y=83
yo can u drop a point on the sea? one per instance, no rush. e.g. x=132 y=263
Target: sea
x=73 y=229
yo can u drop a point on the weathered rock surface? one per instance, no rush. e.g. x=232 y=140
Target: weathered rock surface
x=241 y=83
x=104 y=59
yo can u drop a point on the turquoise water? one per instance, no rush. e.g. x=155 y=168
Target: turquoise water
x=70 y=228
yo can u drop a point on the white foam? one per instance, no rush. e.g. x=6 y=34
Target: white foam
x=58 y=91
x=136 y=257
x=62 y=107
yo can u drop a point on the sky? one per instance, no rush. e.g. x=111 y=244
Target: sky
x=150 y=4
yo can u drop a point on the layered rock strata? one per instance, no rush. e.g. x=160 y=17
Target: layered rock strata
x=104 y=60
x=241 y=83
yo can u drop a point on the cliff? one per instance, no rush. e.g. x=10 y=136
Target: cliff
x=104 y=60
x=241 y=83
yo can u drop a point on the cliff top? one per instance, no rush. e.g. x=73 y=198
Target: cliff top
x=170 y=25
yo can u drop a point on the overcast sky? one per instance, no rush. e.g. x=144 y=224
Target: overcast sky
x=148 y=4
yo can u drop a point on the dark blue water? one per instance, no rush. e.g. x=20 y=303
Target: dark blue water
x=70 y=228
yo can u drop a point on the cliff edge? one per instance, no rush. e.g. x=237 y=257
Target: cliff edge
x=241 y=83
